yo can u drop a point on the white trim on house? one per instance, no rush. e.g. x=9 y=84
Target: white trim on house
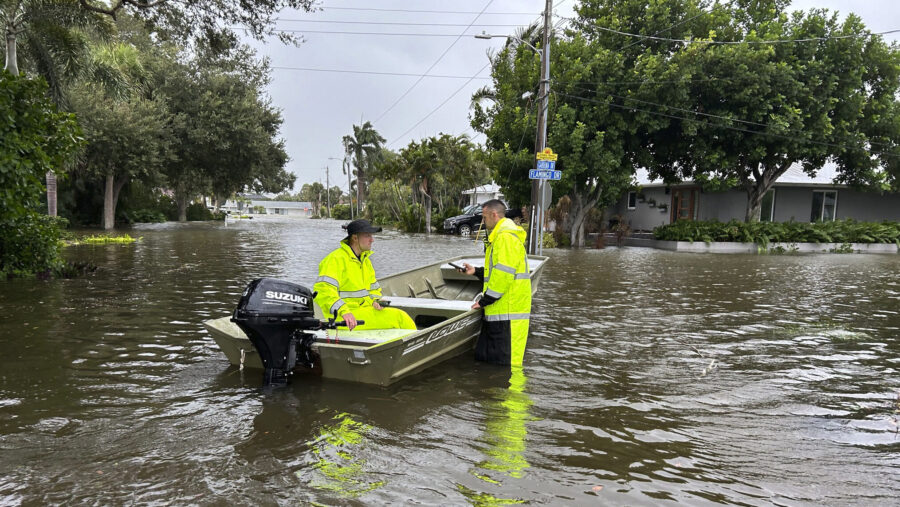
x=483 y=193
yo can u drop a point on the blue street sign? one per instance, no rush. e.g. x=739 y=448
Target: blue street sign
x=548 y=165
x=539 y=174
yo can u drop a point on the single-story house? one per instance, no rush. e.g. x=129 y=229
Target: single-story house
x=795 y=196
x=289 y=208
x=483 y=193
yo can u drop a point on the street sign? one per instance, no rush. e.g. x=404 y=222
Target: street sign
x=547 y=154
x=547 y=165
x=539 y=174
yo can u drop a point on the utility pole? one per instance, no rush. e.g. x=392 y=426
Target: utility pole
x=328 y=191
x=536 y=233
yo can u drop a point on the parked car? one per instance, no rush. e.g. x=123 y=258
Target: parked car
x=470 y=220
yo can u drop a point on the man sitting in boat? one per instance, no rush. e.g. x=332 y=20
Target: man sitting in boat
x=347 y=285
x=507 y=289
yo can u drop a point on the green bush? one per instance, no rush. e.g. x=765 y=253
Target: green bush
x=340 y=212
x=144 y=215
x=198 y=212
x=412 y=219
x=437 y=220
x=763 y=233
x=30 y=244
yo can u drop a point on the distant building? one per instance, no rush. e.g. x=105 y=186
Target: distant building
x=795 y=196
x=483 y=193
x=288 y=208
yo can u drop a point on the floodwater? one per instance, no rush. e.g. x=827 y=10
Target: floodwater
x=651 y=377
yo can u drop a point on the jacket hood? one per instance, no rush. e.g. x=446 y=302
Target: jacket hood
x=507 y=226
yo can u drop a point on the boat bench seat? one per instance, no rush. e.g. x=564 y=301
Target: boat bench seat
x=362 y=336
x=423 y=305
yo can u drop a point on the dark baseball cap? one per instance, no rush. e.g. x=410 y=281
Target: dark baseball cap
x=360 y=225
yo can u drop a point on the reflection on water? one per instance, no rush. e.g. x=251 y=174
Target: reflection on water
x=649 y=376
x=504 y=439
x=338 y=470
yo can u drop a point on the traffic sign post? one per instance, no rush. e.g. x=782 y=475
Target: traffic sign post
x=546 y=170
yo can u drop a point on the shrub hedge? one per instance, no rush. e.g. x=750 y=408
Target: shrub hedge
x=763 y=233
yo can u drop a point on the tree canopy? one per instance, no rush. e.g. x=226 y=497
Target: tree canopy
x=729 y=95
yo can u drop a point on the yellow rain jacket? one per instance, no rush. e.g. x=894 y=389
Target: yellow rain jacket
x=347 y=284
x=507 y=296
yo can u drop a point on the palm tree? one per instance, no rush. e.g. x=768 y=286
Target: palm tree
x=54 y=45
x=364 y=147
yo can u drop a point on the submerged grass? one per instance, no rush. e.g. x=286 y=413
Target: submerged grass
x=102 y=239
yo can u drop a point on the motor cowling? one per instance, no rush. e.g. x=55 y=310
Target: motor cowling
x=274 y=314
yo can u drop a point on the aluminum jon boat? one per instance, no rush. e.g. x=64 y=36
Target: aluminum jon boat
x=437 y=297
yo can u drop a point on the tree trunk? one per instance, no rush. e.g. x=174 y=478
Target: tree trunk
x=754 y=203
x=427 y=215
x=756 y=190
x=11 y=63
x=182 y=201
x=109 y=203
x=51 y=193
x=578 y=212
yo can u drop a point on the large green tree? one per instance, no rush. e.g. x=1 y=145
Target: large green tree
x=127 y=139
x=725 y=114
x=831 y=96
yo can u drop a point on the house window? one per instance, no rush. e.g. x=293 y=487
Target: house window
x=824 y=206
x=632 y=200
x=767 y=208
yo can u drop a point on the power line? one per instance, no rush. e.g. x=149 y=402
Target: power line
x=713 y=42
x=392 y=23
x=402 y=34
x=453 y=94
x=710 y=115
x=441 y=104
x=641 y=82
x=327 y=8
x=726 y=127
x=386 y=111
x=407 y=74
x=666 y=29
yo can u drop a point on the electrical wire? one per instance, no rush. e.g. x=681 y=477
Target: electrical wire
x=666 y=29
x=710 y=115
x=713 y=42
x=391 y=23
x=327 y=8
x=341 y=32
x=726 y=127
x=440 y=105
x=386 y=111
x=407 y=74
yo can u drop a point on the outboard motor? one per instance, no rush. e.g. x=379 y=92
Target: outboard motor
x=276 y=315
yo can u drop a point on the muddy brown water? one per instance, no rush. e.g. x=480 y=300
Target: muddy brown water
x=650 y=377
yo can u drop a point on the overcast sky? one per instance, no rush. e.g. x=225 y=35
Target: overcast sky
x=319 y=108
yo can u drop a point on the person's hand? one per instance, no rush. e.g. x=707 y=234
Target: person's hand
x=476 y=306
x=377 y=306
x=349 y=320
x=470 y=269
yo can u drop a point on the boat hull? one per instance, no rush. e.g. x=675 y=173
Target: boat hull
x=448 y=327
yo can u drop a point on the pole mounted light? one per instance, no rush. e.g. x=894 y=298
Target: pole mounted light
x=536 y=229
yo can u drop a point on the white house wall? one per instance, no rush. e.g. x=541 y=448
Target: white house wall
x=791 y=203
x=643 y=217
x=795 y=203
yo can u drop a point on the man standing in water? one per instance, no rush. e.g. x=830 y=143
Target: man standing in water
x=507 y=289
x=347 y=285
